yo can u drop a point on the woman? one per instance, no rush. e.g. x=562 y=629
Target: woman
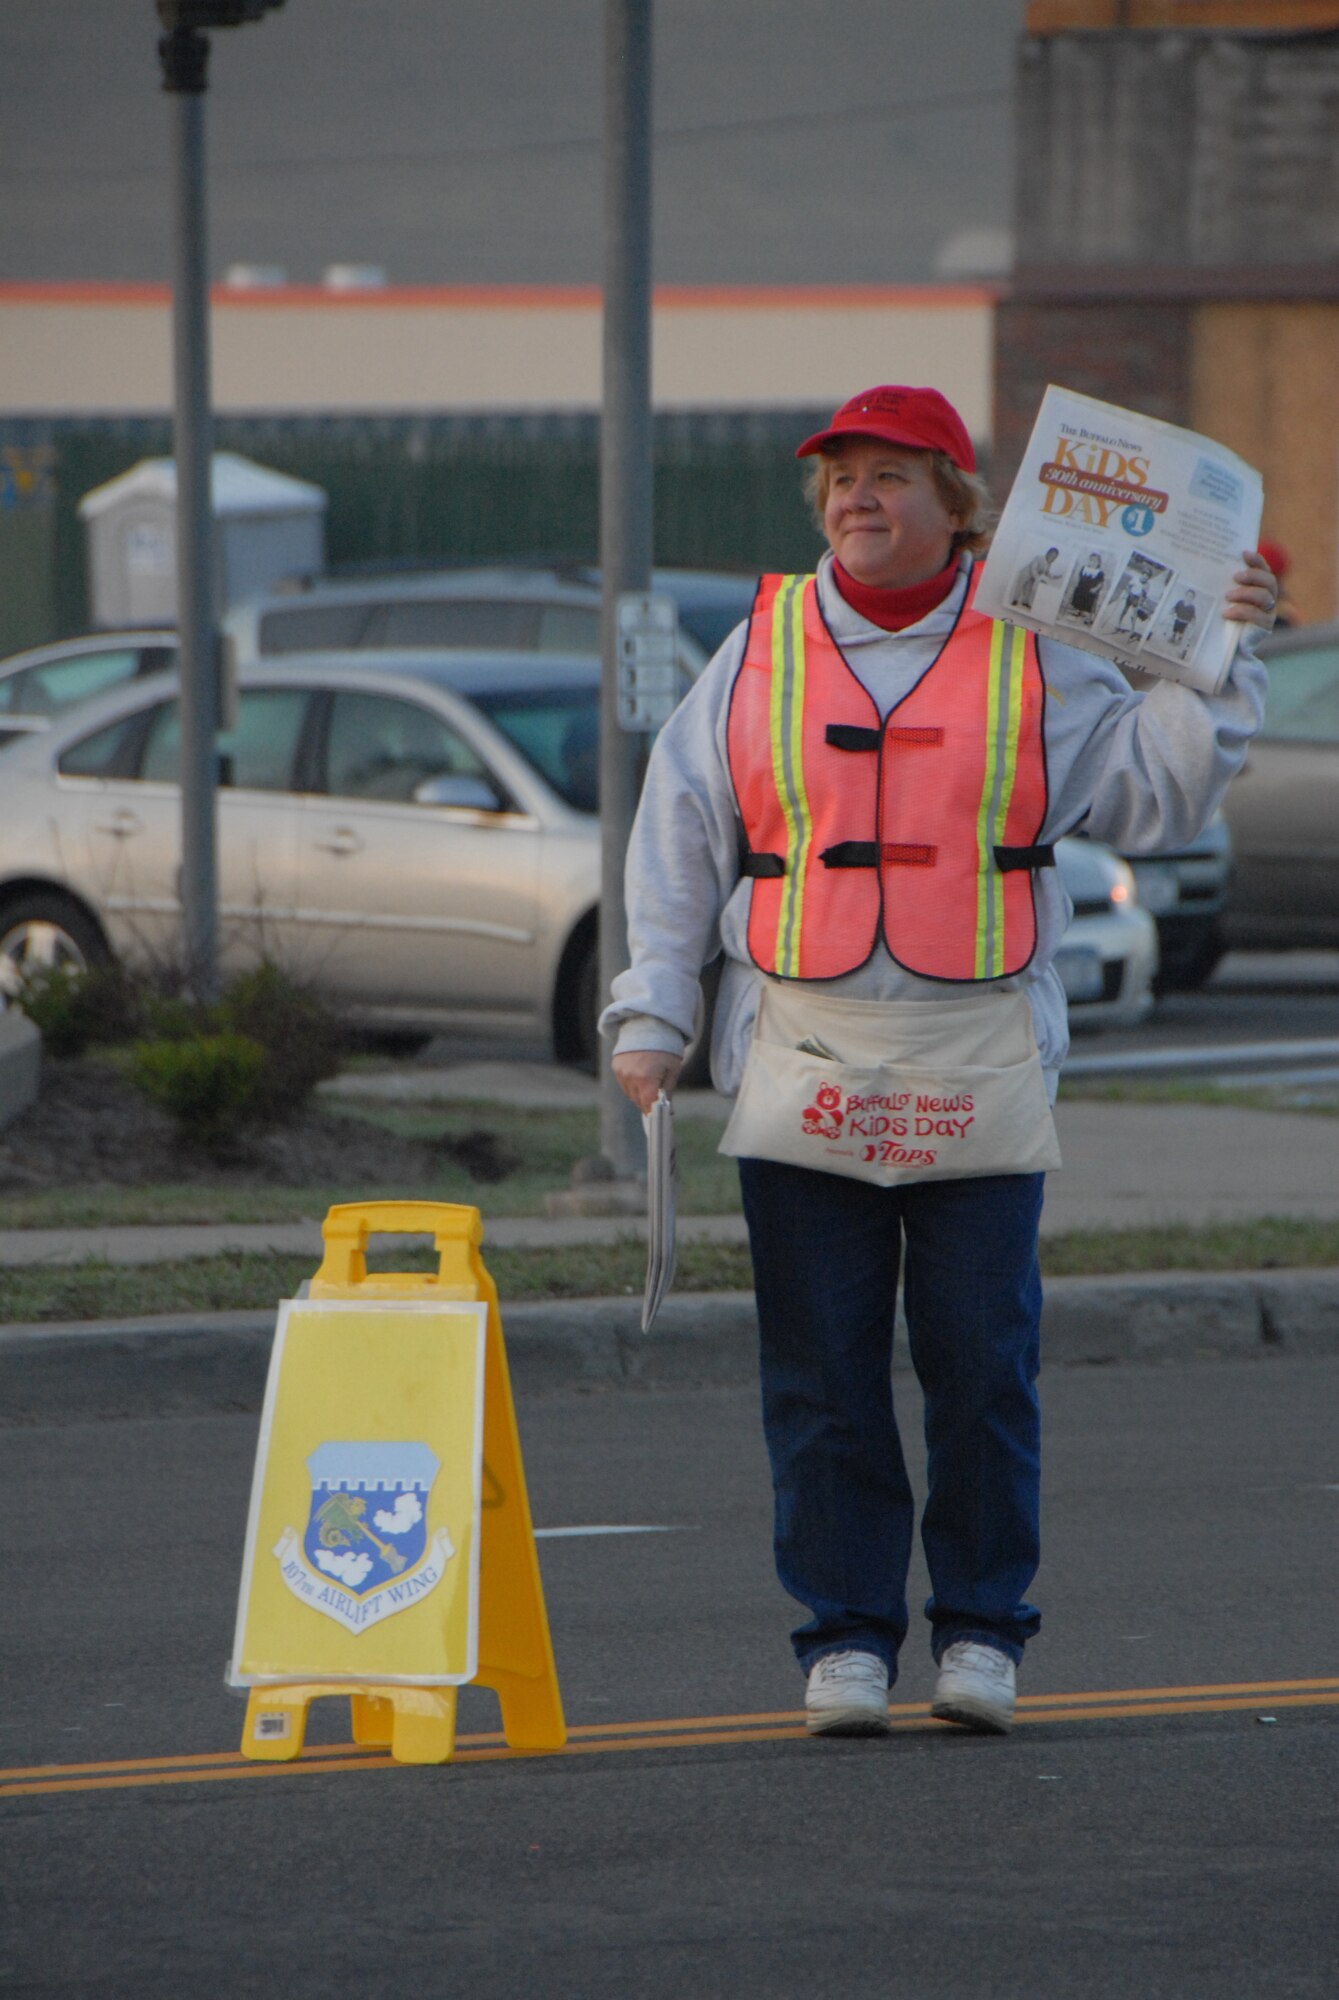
x=858 y=801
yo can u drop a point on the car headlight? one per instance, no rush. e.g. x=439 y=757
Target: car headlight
x=1097 y=880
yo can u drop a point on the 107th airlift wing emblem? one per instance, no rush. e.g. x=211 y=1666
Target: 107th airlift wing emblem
x=366 y=1552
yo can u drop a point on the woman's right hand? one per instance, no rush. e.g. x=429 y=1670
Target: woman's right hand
x=642 y=1074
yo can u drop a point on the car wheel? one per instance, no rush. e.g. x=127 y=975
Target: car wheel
x=40 y=933
x=585 y=1037
x=1186 y=971
x=696 y=1071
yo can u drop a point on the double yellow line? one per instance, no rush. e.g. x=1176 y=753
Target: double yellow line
x=600 y=1738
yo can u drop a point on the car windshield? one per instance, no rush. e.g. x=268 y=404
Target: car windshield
x=557 y=730
x=60 y=683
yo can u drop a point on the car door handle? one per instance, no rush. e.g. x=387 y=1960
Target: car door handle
x=342 y=841
x=121 y=823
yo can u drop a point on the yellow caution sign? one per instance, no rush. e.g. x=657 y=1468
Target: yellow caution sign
x=390 y=1555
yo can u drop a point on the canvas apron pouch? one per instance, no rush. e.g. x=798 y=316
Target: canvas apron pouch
x=894 y=1091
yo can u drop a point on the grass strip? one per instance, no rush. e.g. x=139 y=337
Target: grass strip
x=256 y=1281
x=1266 y=1243
x=1310 y=1100
x=540 y=1149
x=545 y=1145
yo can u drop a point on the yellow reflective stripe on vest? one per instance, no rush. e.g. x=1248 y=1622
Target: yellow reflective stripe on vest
x=1004 y=710
x=787 y=732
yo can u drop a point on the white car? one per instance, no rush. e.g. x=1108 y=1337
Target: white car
x=1108 y=958
x=415 y=833
x=508 y=607
x=43 y=683
x=505 y=608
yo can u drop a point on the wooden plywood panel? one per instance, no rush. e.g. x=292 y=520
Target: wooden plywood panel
x=1056 y=17
x=1262 y=381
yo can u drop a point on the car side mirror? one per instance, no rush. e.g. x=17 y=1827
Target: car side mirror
x=475 y=794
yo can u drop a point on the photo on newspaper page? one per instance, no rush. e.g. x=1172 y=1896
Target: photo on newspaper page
x=1121 y=535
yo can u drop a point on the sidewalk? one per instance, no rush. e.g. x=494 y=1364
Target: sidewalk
x=1126 y=1165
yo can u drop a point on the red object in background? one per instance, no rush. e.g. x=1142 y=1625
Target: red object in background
x=1276 y=556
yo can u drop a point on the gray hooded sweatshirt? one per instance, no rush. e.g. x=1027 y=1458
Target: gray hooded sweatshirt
x=1143 y=772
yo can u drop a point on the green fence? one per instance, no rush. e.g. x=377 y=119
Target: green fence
x=419 y=489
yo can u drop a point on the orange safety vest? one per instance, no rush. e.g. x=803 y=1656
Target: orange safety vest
x=925 y=826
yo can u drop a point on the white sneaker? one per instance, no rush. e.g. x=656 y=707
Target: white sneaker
x=847 y=1695
x=975 y=1687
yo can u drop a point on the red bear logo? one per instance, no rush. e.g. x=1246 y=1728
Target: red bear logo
x=823 y=1119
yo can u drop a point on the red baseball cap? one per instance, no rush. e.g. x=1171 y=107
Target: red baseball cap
x=919 y=418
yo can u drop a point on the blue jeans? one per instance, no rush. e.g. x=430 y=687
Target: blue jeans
x=826 y=1252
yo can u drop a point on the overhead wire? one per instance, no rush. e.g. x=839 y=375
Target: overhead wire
x=736 y=126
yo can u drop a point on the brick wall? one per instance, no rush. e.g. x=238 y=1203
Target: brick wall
x=1133 y=352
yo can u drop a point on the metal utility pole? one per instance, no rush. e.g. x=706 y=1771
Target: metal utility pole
x=625 y=494
x=185 y=58
x=183 y=51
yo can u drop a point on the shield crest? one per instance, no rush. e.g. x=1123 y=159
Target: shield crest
x=368 y=1524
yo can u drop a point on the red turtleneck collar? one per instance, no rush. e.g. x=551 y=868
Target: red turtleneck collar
x=894 y=610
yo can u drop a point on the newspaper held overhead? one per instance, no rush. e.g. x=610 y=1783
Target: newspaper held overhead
x=1121 y=535
x=658 y=1124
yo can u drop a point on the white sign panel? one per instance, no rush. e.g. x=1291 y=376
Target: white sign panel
x=648 y=660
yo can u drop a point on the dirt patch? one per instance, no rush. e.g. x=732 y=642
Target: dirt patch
x=90 y=1127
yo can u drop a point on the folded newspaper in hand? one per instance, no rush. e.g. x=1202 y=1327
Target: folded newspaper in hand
x=658 y=1124
x=1121 y=535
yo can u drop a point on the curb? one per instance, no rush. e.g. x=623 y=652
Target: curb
x=192 y=1365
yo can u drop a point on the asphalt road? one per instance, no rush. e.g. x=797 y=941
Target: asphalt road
x=1253 y=997
x=1126 y=1846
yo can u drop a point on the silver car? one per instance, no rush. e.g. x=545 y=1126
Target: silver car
x=417 y=834
x=44 y=682
x=1283 y=805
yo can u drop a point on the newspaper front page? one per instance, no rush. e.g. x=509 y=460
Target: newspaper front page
x=1121 y=535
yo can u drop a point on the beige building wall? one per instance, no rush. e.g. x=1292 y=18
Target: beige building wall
x=1263 y=381
x=106 y=349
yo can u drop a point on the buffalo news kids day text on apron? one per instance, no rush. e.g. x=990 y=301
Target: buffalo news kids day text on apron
x=894 y=1091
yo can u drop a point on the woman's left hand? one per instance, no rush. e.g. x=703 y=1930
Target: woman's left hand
x=1254 y=593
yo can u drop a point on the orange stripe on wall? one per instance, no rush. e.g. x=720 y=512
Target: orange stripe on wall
x=545 y=298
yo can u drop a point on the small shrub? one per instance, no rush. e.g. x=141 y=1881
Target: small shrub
x=252 y=1058
x=213 y=1086
x=75 y=1009
x=175 y=1017
x=302 y=1039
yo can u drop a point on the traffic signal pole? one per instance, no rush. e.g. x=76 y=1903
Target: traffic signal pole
x=183 y=51
x=626 y=508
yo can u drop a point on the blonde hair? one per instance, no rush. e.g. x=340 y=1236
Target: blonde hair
x=965 y=495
